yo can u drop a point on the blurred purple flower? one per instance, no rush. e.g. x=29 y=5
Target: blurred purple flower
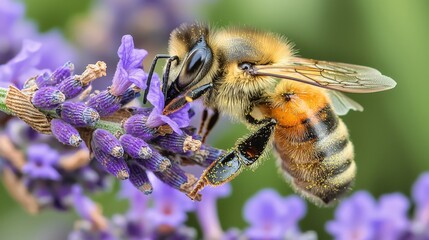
x=41 y=162
x=129 y=69
x=137 y=200
x=22 y=66
x=265 y=212
x=14 y=29
x=353 y=218
x=420 y=195
x=176 y=120
x=82 y=204
x=169 y=206
x=391 y=221
x=11 y=12
x=207 y=211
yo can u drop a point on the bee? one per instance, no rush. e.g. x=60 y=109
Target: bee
x=289 y=102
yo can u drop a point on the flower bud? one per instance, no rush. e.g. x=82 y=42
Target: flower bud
x=156 y=163
x=107 y=143
x=129 y=95
x=78 y=114
x=139 y=179
x=105 y=103
x=56 y=77
x=177 y=143
x=62 y=73
x=65 y=133
x=177 y=178
x=135 y=147
x=44 y=80
x=206 y=155
x=47 y=98
x=114 y=165
x=71 y=87
x=136 y=126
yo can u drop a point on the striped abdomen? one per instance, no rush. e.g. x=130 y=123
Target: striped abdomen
x=316 y=155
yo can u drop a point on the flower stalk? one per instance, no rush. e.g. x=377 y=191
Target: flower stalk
x=110 y=126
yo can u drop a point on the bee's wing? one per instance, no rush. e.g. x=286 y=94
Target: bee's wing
x=342 y=104
x=336 y=76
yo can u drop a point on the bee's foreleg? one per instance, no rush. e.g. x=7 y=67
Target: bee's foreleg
x=227 y=167
x=151 y=71
x=191 y=95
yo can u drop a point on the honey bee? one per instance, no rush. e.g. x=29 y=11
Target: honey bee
x=289 y=102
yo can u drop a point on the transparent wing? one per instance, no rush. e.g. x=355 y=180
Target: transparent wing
x=343 y=104
x=337 y=76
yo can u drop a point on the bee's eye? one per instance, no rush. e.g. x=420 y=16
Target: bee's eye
x=193 y=67
x=245 y=66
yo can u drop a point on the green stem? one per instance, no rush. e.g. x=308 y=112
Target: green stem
x=3 y=107
x=112 y=127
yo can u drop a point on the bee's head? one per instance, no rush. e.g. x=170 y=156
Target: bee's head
x=245 y=48
x=190 y=43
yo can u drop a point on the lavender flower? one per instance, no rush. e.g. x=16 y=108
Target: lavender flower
x=65 y=133
x=137 y=127
x=178 y=143
x=265 y=212
x=360 y=217
x=156 y=163
x=135 y=147
x=114 y=165
x=176 y=120
x=42 y=161
x=353 y=218
x=47 y=98
x=129 y=70
x=420 y=190
x=22 y=66
x=71 y=87
x=169 y=207
x=78 y=114
x=107 y=143
x=56 y=77
x=139 y=179
x=207 y=211
x=105 y=103
x=392 y=221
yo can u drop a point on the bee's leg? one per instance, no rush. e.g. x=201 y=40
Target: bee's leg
x=151 y=71
x=227 y=167
x=189 y=96
x=203 y=120
x=166 y=74
x=212 y=122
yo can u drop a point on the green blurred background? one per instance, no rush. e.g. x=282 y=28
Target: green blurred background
x=390 y=136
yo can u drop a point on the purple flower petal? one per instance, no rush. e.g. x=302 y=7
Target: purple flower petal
x=41 y=162
x=392 y=221
x=129 y=69
x=420 y=191
x=155 y=95
x=22 y=66
x=170 y=206
x=82 y=204
x=175 y=120
x=354 y=218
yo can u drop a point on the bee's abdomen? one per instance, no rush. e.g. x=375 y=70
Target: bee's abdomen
x=317 y=156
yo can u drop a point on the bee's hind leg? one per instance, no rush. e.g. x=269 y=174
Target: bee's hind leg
x=246 y=152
